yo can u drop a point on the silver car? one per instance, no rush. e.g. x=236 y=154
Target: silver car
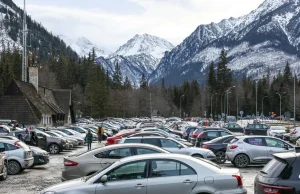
x=95 y=160
x=71 y=141
x=245 y=150
x=18 y=154
x=172 y=146
x=295 y=134
x=78 y=139
x=156 y=174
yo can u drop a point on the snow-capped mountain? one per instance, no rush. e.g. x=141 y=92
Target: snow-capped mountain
x=263 y=40
x=139 y=55
x=83 y=46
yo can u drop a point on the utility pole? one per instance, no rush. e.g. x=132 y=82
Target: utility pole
x=150 y=105
x=24 y=53
x=180 y=104
x=294 y=99
x=228 y=100
x=237 y=107
x=280 y=103
x=211 y=108
x=262 y=106
x=256 y=100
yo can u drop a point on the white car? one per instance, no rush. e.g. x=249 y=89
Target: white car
x=276 y=131
x=295 y=135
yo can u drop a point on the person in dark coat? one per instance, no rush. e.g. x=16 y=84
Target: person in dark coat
x=89 y=139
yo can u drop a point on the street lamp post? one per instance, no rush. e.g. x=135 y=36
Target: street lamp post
x=280 y=102
x=294 y=99
x=180 y=104
x=262 y=105
x=211 y=109
x=256 y=100
x=228 y=100
x=222 y=102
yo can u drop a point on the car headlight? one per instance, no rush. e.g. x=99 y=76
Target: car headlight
x=63 y=141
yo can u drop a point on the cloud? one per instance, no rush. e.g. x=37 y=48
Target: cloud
x=108 y=25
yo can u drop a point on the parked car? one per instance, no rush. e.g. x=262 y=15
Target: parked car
x=295 y=134
x=280 y=175
x=41 y=157
x=256 y=129
x=18 y=154
x=209 y=135
x=276 y=131
x=78 y=139
x=84 y=131
x=116 y=138
x=71 y=132
x=172 y=146
x=3 y=163
x=156 y=173
x=21 y=134
x=199 y=130
x=234 y=127
x=53 y=145
x=218 y=146
x=187 y=131
x=245 y=150
x=69 y=140
x=90 y=162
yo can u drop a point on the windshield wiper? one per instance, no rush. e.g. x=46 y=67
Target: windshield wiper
x=263 y=172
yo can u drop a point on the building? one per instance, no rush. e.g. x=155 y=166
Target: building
x=31 y=104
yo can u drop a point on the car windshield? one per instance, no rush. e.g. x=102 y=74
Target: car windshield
x=56 y=134
x=274 y=168
x=61 y=133
x=44 y=134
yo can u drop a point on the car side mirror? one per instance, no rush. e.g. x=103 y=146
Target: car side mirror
x=104 y=179
x=179 y=146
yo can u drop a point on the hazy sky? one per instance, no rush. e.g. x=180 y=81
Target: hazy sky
x=110 y=23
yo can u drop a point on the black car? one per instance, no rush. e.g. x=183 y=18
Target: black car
x=256 y=129
x=193 y=135
x=40 y=156
x=233 y=127
x=280 y=175
x=209 y=135
x=218 y=146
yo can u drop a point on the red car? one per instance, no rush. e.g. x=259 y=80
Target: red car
x=116 y=138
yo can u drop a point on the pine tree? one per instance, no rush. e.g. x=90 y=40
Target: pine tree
x=163 y=84
x=127 y=83
x=143 y=82
x=117 y=78
x=212 y=81
x=224 y=76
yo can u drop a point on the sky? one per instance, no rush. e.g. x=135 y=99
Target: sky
x=111 y=23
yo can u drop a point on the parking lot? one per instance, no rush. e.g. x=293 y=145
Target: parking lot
x=32 y=181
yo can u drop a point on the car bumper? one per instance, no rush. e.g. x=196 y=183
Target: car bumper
x=68 y=146
x=240 y=190
x=230 y=156
x=210 y=157
x=41 y=159
x=70 y=174
x=27 y=163
x=293 y=138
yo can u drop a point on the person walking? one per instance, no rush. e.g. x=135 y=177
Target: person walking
x=89 y=139
x=100 y=132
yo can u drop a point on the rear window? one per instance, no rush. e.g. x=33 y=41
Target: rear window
x=274 y=168
x=233 y=140
x=251 y=126
x=198 y=131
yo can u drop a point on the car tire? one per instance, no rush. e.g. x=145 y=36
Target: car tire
x=53 y=149
x=197 y=156
x=13 y=167
x=241 y=161
x=220 y=157
x=4 y=173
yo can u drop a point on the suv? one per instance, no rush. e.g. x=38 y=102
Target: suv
x=3 y=163
x=53 y=145
x=245 y=150
x=209 y=134
x=19 y=155
x=280 y=175
x=172 y=145
x=295 y=135
x=256 y=129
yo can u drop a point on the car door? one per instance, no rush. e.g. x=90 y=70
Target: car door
x=256 y=149
x=129 y=178
x=41 y=141
x=275 y=146
x=115 y=155
x=152 y=141
x=171 y=176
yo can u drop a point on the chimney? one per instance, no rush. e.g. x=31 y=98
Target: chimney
x=34 y=76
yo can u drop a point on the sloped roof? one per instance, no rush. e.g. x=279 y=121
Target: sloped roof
x=63 y=99
x=17 y=108
x=30 y=92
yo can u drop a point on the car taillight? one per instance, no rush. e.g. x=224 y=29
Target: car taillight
x=18 y=145
x=201 y=134
x=239 y=180
x=70 y=163
x=206 y=146
x=294 y=132
x=268 y=189
x=234 y=147
x=194 y=135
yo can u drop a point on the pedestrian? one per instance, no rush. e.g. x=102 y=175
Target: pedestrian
x=100 y=132
x=89 y=139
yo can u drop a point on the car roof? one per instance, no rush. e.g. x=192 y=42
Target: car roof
x=116 y=146
x=155 y=156
x=289 y=156
x=7 y=140
x=148 y=137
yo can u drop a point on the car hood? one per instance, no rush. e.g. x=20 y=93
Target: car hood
x=72 y=184
x=37 y=150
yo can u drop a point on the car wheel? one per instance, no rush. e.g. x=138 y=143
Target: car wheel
x=53 y=149
x=241 y=160
x=197 y=156
x=4 y=173
x=13 y=167
x=220 y=157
